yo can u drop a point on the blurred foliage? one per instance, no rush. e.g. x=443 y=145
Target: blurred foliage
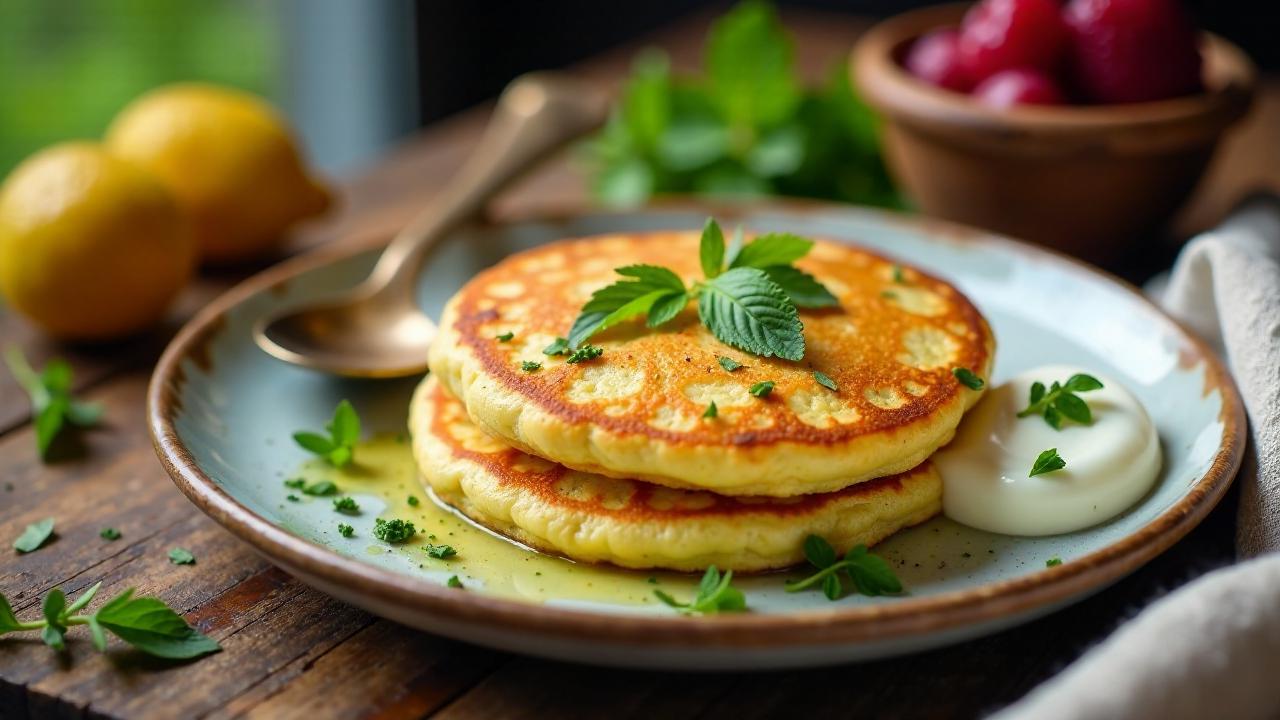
x=67 y=66
x=746 y=126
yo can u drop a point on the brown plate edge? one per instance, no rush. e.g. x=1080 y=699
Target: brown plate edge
x=840 y=625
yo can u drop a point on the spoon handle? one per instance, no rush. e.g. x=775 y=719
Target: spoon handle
x=536 y=114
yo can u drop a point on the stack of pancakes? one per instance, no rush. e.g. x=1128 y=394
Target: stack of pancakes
x=612 y=459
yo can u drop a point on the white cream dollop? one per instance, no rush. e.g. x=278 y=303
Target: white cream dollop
x=1111 y=463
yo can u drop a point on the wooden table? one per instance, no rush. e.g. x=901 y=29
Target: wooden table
x=290 y=651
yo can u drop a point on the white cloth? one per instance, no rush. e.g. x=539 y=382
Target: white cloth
x=1212 y=648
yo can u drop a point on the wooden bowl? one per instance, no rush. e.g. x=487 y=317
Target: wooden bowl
x=1088 y=180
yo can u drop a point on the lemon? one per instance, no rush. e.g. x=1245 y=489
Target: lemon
x=229 y=158
x=91 y=246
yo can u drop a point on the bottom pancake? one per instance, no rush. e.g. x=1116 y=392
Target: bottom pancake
x=592 y=518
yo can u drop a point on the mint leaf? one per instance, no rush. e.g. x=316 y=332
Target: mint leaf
x=1060 y=401
x=623 y=300
x=344 y=432
x=1047 y=462
x=819 y=552
x=762 y=389
x=747 y=310
x=313 y=442
x=54 y=609
x=560 y=346
x=1082 y=383
x=34 y=536
x=749 y=67
x=715 y=595
x=803 y=289
x=871 y=575
x=8 y=621
x=666 y=308
x=345 y=426
x=51 y=403
x=151 y=626
x=772 y=249
x=968 y=378
x=181 y=556
x=711 y=249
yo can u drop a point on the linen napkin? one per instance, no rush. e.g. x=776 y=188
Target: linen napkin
x=1212 y=648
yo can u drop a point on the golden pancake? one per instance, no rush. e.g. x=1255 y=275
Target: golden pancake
x=636 y=411
x=592 y=518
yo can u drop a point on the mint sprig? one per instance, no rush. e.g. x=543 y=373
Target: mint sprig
x=869 y=574
x=715 y=595
x=1060 y=401
x=145 y=623
x=344 y=432
x=750 y=303
x=1047 y=462
x=51 y=401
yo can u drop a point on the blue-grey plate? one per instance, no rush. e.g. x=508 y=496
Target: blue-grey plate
x=222 y=413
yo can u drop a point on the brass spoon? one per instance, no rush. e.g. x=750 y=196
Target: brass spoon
x=377 y=329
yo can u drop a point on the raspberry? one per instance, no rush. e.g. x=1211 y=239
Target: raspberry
x=1132 y=50
x=1006 y=34
x=1018 y=87
x=934 y=59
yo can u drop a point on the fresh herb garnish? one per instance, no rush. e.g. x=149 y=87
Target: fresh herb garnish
x=870 y=574
x=712 y=412
x=504 y=337
x=51 y=401
x=344 y=431
x=1060 y=401
x=728 y=363
x=393 y=531
x=109 y=533
x=346 y=505
x=1053 y=562
x=749 y=304
x=1047 y=462
x=744 y=125
x=292 y=498
x=967 y=378
x=413 y=501
x=181 y=556
x=145 y=623
x=898 y=277
x=454 y=582
x=762 y=388
x=321 y=489
x=715 y=595
x=584 y=353
x=825 y=380
x=559 y=347
x=36 y=534
x=530 y=366
x=346 y=530
x=440 y=552
x=295 y=483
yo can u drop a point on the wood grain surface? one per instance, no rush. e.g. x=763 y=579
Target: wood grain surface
x=290 y=651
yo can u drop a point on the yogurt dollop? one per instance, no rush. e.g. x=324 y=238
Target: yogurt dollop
x=1110 y=464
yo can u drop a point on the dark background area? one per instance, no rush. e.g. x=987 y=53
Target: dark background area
x=468 y=51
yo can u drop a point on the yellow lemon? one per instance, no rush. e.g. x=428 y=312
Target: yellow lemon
x=228 y=158
x=91 y=246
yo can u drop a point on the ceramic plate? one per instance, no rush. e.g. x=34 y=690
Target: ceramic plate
x=222 y=413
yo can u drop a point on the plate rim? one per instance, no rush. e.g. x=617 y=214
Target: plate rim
x=839 y=625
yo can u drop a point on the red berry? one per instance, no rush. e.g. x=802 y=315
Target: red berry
x=1132 y=50
x=934 y=59
x=1006 y=34
x=1021 y=86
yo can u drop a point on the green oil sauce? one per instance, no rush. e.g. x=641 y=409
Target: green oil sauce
x=384 y=474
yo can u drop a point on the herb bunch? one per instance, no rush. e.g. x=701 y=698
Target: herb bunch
x=745 y=126
x=715 y=595
x=145 y=623
x=343 y=433
x=1060 y=401
x=748 y=297
x=51 y=401
x=869 y=574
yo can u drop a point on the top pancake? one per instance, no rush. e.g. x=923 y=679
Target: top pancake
x=636 y=411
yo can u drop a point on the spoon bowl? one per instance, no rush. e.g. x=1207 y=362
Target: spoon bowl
x=377 y=329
